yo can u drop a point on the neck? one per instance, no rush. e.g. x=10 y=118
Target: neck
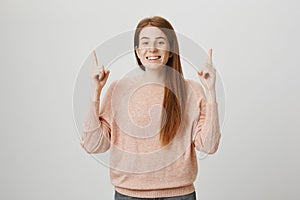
x=154 y=75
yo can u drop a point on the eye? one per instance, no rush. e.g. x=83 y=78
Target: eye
x=161 y=42
x=144 y=43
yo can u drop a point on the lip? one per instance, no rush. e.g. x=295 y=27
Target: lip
x=159 y=57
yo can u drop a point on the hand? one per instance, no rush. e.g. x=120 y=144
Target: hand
x=99 y=76
x=207 y=75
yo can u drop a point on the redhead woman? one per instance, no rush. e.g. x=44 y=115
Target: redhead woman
x=154 y=123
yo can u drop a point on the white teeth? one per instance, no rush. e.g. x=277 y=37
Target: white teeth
x=153 y=57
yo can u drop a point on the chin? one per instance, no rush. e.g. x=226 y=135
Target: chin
x=154 y=65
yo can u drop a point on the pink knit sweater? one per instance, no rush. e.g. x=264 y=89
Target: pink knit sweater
x=128 y=126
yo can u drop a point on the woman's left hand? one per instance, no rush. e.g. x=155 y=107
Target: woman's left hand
x=207 y=75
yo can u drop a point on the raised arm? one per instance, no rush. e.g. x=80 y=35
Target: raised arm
x=97 y=126
x=96 y=131
x=207 y=129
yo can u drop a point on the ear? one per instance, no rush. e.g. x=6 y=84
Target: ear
x=137 y=51
x=170 y=55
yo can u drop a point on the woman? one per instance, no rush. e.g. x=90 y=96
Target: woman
x=154 y=157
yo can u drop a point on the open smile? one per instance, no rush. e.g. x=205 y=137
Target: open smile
x=153 y=57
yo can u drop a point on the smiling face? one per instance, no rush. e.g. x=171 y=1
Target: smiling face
x=153 y=49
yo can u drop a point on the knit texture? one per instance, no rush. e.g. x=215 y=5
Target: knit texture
x=128 y=125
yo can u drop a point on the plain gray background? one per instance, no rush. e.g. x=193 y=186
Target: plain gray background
x=256 y=49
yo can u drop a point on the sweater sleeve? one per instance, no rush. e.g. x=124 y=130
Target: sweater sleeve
x=206 y=129
x=96 y=132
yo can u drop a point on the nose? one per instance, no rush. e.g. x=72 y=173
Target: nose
x=152 y=48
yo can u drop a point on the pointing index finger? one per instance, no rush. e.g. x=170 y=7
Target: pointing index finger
x=95 y=58
x=210 y=56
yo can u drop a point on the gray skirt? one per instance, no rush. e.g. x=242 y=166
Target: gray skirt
x=191 y=196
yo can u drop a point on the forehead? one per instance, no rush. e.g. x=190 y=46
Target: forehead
x=151 y=32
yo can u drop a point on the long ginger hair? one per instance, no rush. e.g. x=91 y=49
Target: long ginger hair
x=174 y=90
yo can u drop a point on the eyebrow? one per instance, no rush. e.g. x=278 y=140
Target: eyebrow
x=160 y=37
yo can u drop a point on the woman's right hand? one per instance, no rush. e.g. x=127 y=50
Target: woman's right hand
x=99 y=77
